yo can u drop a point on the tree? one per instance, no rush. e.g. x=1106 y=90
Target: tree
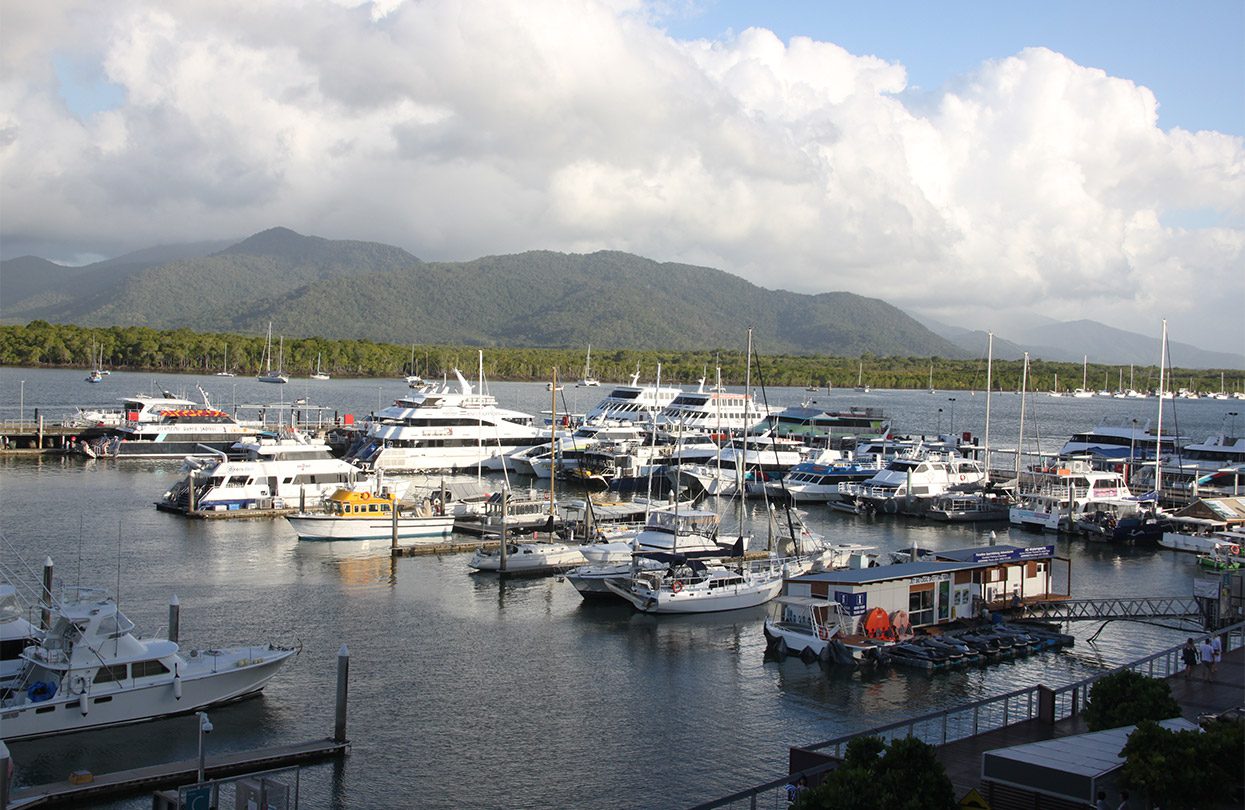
x=906 y=775
x=1186 y=769
x=1126 y=698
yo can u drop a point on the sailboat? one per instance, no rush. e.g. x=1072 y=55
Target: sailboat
x=1083 y=391
x=225 y=372
x=270 y=376
x=931 y=377
x=319 y=375
x=588 y=381
x=860 y=378
x=1056 y=392
x=97 y=359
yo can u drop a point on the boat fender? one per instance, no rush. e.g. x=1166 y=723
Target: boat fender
x=177 y=687
x=82 y=704
x=807 y=655
x=77 y=685
x=676 y=586
x=40 y=691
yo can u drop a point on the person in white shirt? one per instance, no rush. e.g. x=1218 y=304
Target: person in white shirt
x=1207 y=653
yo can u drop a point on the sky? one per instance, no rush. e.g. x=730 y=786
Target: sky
x=985 y=164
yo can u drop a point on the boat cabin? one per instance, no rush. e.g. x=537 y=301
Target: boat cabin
x=351 y=503
x=946 y=587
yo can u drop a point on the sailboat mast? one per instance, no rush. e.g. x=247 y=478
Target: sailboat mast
x=1020 y=442
x=553 y=436
x=989 y=377
x=747 y=390
x=1158 y=433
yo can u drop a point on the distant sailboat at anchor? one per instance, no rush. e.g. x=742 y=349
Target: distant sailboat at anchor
x=270 y=376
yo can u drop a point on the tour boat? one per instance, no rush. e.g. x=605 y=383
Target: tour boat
x=633 y=402
x=91 y=671
x=174 y=433
x=915 y=478
x=351 y=514
x=1055 y=498
x=817 y=425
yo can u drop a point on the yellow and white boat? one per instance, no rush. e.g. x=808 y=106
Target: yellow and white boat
x=351 y=514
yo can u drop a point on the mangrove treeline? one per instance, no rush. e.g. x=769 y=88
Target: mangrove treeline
x=137 y=348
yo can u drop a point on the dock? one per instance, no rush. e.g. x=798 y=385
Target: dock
x=174 y=774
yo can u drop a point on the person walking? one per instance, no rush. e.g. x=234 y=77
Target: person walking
x=1188 y=654
x=1216 y=648
x=1207 y=654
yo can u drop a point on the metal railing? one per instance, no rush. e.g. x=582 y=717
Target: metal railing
x=970 y=719
x=1069 y=610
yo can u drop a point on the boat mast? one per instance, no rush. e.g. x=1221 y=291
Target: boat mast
x=1158 y=433
x=989 y=377
x=553 y=438
x=744 y=461
x=1020 y=442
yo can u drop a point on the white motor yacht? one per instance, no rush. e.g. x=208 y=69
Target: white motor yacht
x=351 y=514
x=527 y=558
x=915 y=478
x=696 y=586
x=633 y=402
x=437 y=428
x=1055 y=498
x=263 y=473
x=16 y=634
x=758 y=459
x=91 y=671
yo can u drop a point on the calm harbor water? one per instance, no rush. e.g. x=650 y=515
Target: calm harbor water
x=467 y=691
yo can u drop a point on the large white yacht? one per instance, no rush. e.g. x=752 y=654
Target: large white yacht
x=540 y=459
x=1118 y=438
x=261 y=472
x=633 y=402
x=816 y=424
x=1055 y=498
x=757 y=458
x=437 y=428
x=90 y=671
x=915 y=478
x=96 y=422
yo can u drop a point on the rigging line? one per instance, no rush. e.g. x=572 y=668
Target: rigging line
x=782 y=481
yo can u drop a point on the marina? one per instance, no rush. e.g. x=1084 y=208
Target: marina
x=425 y=619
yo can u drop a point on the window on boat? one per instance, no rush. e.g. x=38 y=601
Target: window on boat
x=115 y=625
x=108 y=674
x=145 y=669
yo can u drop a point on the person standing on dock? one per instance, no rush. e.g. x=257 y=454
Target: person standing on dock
x=1208 y=658
x=1188 y=654
x=1216 y=647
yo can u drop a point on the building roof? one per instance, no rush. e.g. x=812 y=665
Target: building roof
x=883 y=573
x=1068 y=767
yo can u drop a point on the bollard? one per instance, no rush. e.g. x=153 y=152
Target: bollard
x=175 y=615
x=46 y=598
x=190 y=494
x=343 y=677
x=505 y=519
x=302 y=499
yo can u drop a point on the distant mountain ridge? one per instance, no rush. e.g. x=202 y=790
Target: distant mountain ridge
x=345 y=289
x=1070 y=341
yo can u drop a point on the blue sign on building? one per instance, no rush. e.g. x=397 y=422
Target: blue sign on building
x=1014 y=554
x=854 y=604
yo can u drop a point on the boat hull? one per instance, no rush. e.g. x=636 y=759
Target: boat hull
x=140 y=703
x=326 y=527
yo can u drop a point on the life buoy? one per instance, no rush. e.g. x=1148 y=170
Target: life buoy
x=1234 y=549
x=962 y=476
x=367 y=496
x=823 y=633
x=676 y=586
x=77 y=685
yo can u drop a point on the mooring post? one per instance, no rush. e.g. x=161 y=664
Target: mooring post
x=191 y=493
x=175 y=618
x=39 y=439
x=393 y=510
x=343 y=678
x=302 y=499
x=46 y=597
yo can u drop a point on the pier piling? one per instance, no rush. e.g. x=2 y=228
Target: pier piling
x=175 y=615
x=46 y=598
x=343 y=678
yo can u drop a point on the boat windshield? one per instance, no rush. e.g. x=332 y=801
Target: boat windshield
x=684 y=523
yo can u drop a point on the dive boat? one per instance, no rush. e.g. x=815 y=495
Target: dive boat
x=437 y=428
x=710 y=411
x=173 y=432
x=90 y=671
x=351 y=514
x=261 y=473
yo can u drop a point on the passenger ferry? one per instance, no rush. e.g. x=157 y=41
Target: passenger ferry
x=97 y=422
x=633 y=402
x=710 y=411
x=437 y=428
x=818 y=426
x=1055 y=498
x=1117 y=438
x=172 y=432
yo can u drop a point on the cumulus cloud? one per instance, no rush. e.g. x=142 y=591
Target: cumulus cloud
x=458 y=128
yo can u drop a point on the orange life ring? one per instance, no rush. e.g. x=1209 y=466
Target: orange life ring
x=367 y=496
x=1234 y=549
x=676 y=586
x=823 y=633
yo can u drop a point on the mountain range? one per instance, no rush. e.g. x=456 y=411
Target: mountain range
x=343 y=289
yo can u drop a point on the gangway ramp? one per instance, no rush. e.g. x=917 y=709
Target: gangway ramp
x=1140 y=608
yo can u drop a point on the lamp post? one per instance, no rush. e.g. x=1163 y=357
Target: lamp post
x=205 y=727
x=952 y=401
x=21 y=400
x=940 y=421
x=378 y=389
x=1233 y=415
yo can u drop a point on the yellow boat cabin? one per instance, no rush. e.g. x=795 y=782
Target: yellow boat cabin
x=352 y=503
